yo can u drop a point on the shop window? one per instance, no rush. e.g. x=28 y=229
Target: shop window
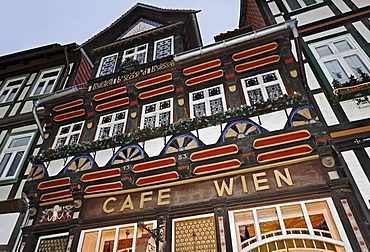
x=207 y=101
x=303 y=226
x=138 y=53
x=157 y=114
x=13 y=154
x=68 y=134
x=111 y=125
x=107 y=65
x=341 y=57
x=46 y=81
x=10 y=89
x=197 y=233
x=58 y=242
x=260 y=88
x=125 y=238
x=163 y=48
x=293 y=5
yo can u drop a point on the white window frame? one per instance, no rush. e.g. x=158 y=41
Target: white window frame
x=47 y=80
x=5 y=149
x=301 y=3
x=117 y=228
x=69 y=134
x=331 y=207
x=157 y=112
x=262 y=86
x=111 y=124
x=135 y=53
x=49 y=236
x=9 y=89
x=207 y=99
x=160 y=40
x=98 y=74
x=339 y=56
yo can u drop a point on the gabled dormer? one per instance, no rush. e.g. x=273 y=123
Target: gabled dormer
x=144 y=34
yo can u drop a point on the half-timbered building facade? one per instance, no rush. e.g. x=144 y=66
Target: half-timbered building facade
x=177 y=146
x=25 y=78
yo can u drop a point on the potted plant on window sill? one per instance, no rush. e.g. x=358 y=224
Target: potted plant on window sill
x=354 y=88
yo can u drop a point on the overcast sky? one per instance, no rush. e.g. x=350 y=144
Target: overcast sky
x=27 y=24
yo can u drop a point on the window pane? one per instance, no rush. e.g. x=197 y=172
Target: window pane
x=3 y=95
x=4 y=162
x=336 y=70
x=118 y=129
x=274 y=92
x=60 y=142
x=108 y=65
x=104 y=132
x=255 y=96
x=149 y=122
x=11 y=95
x=150 y=108
x=107 y=240
x=164 y=118
x=199 y=109
x=198 y=95
x=19 y=142
x=343 y=45
x=125 y=239
x=294 y=220
x=13 y=167
x=49 y=86
x=77 y=127
x=245 y=227
x=324 y=50
x=309 y=2
x=268 y=222
x=293 y=4
x=163 y=48
x=216 y=106
x=89 y=242
x=357 y=66
x=74 y=139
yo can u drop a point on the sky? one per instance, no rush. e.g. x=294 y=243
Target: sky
x=26 y=24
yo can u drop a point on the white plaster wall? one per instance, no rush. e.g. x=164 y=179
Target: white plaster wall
x=326 y=109
x=55 y=166
x=210 y=135
x=23 y=93
x=2 y=136
x=313 y=15
x=28 y=105
x=274 y=8
x=311 y=79
x=353 y=112
x=103 y=156
x=14 y=109
x=3 y=110
x=7 y=224
x=273 y=121
x=367 y=149
x=324 y=33
x=361 y=3
x=341 y=5
x=20 y=189
x=363 y=30
x=358 y=175
x=4 y=192
x=25 y=128
x=31 y=79
x=279 y=19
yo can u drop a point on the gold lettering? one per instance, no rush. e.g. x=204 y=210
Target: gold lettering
x=162 y=196
x=244 y=184
x=257 y=181
x=127 y=204
x=105 y=209
x=224 y=187
x=286 y=178
x=143 y=198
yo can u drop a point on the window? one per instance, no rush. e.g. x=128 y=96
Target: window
x=57 y=242
x=10 y=89
x=196 y=233
x=207 y=101
x=163 y=48
x=340 y=58
x=157 y=114
x=68 y=134
x=107 y=65
x=138 y=53
x=13 y=154
x=303 y=226
x=125 y=238
x=262 y=87
x=293 y=5
x=111 y=124
x=46 y=81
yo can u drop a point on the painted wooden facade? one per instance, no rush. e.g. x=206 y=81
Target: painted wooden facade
x=179 y=147
x=25 y=77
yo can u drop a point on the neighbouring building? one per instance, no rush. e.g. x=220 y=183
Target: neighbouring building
x=25 y=77
x=176 y=146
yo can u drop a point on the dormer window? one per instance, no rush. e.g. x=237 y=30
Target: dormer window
x=138 y=53
x=10 y=89
x=163 y=48
x=107 y=65
x=46 y=81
